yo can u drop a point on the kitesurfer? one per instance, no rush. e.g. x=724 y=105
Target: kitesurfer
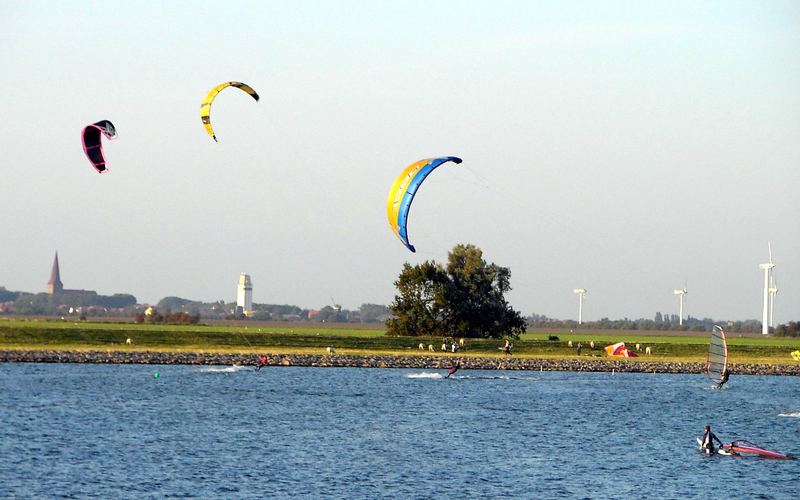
x=726 y=373
x=262 y=362
x=708 y=440
x=453 y=368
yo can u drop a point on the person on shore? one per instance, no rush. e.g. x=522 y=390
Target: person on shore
x=507 y=348
x=262 y=362
x=453 y=368
x=726 y=373
x=708 y=440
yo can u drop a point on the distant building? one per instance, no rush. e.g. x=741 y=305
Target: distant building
x=55 y=285
x=244 y=294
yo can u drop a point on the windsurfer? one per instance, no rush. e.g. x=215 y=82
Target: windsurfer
x=725 y=375
x=453 y=368
x=262 y=362
x=708 y=440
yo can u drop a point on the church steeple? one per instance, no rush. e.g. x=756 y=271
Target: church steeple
x=55 y=285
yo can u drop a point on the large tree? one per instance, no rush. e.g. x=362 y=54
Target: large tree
x=464 y=299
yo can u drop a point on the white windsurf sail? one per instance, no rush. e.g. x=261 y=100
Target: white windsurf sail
x=717 y=360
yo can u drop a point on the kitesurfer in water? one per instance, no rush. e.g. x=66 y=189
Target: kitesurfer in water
x=725 y=375
x=708 y=440
x=262 y=362
x=453 y=368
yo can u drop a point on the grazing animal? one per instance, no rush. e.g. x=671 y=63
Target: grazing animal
x=430 y=348
x=421 y=346
x=331 y=350
x=648 y=351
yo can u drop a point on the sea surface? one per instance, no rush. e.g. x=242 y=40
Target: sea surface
x=145 y=431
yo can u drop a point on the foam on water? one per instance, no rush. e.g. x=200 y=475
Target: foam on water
x=793 y=414
x=223 y=369
x=425 y=375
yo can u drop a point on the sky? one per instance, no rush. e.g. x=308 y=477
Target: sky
x=628 y=148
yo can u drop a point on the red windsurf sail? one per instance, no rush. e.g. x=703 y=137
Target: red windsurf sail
x=744 y=447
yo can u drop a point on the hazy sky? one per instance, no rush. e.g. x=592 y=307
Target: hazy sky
x=624 y=147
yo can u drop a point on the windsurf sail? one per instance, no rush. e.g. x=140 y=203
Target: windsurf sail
x=748 y=448
x=717 y=360
x=620 y=350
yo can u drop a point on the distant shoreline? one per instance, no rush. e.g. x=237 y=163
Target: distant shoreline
x=417 y=362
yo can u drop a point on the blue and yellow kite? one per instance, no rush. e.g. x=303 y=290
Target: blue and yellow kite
x=403 y=191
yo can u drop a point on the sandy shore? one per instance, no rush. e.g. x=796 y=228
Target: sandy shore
x=419 y=362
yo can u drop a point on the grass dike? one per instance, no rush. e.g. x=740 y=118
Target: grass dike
x=37 y=340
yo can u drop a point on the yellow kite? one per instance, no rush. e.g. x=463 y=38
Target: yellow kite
x=205 y=108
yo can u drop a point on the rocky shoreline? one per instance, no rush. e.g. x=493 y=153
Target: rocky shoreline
x=418 y=362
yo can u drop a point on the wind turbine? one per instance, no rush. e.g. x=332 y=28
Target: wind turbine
x=581 y=292
x=773 y=291
x=766 y=316
x=680 y=293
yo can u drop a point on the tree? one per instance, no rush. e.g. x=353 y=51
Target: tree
x=464 y=299
x=118 y=300
x=330 y=315
x=419 y=307
x=7 y=296
x=371 y=313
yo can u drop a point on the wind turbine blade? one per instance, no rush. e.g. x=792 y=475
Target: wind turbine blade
x=769 y=247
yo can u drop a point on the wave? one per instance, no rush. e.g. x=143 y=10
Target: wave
x=425 y=375
x=495 y=377
x=435 y=375
x=224 y=369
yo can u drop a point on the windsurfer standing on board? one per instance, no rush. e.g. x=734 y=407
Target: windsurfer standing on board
x=708 y=440
x=454 y=368
x=262 y=362
x=726 y=373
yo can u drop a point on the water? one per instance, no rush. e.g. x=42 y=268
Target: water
x=110 y=431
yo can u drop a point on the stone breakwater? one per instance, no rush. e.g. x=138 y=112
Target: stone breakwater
x=418 y=362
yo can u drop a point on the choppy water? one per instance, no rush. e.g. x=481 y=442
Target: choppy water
x=227 y=432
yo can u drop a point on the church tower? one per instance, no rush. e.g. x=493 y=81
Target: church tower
x=55 y=285
x=244 y=294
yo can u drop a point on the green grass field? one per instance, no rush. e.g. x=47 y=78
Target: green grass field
x=35 y=334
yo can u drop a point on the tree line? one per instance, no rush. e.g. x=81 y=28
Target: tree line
x=660 y=323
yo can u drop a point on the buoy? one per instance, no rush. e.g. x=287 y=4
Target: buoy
x=155 y=375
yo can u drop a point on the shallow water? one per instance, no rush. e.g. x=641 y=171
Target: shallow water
x=118 y=431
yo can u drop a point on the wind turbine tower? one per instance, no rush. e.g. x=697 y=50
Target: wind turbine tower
x=769 y=294
x=680 y=293
x=773 y=291
x=581 y=292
